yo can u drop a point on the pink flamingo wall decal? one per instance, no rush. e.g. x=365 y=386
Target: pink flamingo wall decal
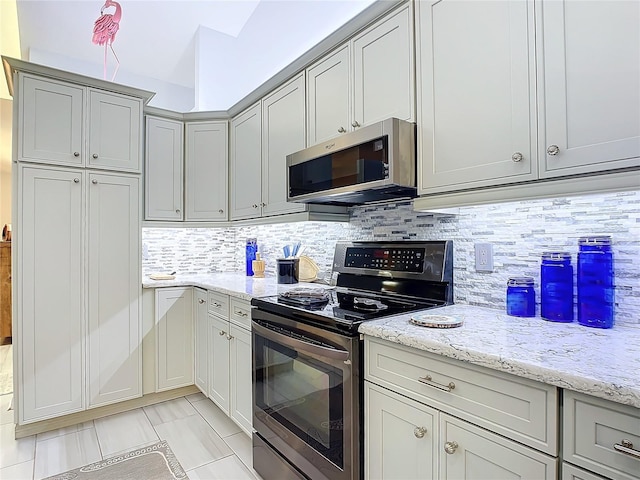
x=104 y=32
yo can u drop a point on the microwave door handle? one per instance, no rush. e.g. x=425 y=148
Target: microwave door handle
x=301 y=345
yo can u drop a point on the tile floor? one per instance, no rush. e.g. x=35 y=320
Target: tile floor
x=206 y=442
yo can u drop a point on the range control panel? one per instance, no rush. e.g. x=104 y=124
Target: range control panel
x=393 y=259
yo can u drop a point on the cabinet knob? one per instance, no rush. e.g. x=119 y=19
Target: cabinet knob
x=221 y=211
x=177 y=210
x=553 y=150
x=263 y=204
x=221 y=333
x=241 y=313
x=229 y=337
x=76 y=180
x=517 y=157
x=200 y=300
x=255 y=205
x=95 y=155
x=419 y=432
x=94 y=181
x=76 y=154
x=450 y=447
x=341 y=130
x=355 y=124
x=216 y=304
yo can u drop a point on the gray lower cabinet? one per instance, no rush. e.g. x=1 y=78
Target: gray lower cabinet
x=428 y=417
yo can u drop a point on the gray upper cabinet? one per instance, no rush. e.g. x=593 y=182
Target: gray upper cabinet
x=366 y=80
x=476 y=97
x=206 y=176
x=163 y=169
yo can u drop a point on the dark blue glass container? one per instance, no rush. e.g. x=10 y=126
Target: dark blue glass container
x=595 y=282
x=251 y=250
x=556 y=289
x=521 y=297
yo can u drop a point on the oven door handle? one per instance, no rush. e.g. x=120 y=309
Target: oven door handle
x=298 y=344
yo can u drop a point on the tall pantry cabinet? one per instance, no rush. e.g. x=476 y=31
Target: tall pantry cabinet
x=77 y=205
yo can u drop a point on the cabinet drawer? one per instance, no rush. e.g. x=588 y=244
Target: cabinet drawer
x=518 y=408
x=218 y=304
x=240 y=312
x=592 y=429
x=569 y=472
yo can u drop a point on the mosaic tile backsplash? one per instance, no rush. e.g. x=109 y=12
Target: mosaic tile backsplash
x=519 y=232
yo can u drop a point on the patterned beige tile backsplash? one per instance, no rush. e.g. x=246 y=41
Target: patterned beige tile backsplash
x=519 y=232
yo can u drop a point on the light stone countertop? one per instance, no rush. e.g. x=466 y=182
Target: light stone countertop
x=598 y=362
x=235 y=284
x=602 y=363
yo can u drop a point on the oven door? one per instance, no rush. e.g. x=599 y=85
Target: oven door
x=306 y=396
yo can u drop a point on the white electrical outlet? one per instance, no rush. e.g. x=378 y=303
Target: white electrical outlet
x=484 y=257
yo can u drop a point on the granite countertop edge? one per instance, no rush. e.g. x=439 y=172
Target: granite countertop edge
x=601 y=363
x=596 y=362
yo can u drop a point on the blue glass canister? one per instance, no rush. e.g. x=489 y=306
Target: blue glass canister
x=556 y=289
x=251 y=250
x=595 y=282
x=521 y=297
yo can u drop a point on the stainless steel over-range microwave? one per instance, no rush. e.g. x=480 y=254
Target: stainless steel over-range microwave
x=372 y=164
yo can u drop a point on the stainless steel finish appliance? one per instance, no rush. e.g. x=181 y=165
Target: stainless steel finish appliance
x=371 y=164
x=307 y=354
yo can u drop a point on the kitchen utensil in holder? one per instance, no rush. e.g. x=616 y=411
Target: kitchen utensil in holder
x=258 y=267
x=288 y=270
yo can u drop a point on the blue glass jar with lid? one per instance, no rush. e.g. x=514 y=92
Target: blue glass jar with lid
x=521 y=297
x=595 y=282
x=556 y=289
x=251 y=249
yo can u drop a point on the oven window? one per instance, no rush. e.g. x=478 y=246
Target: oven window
x=303 y=394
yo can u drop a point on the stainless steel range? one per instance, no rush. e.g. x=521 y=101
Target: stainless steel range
x=307 y=355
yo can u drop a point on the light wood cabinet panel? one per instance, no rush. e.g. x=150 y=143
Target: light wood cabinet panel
x=590 y=86
x=50 y=293
x=246 y=164
x=115 y=128
x=219 y=388
x=383 y=70
x=283 y=132
x=241 y=406
x=163 y=169
x=114 y=355
x=174 y=338
x=400 y=436
x=206 y=173
x=329 y=101
x=51 y=117
x=201 y=332
x=476 y=94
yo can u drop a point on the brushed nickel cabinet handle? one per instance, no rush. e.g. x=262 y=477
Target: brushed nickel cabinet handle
x=221 y=211
x=76 y=180
x=450 y=447
x=355 y=124
x=341 y=130
x=255 y=205
x=216 y=304
x=200 y=300
x=229 y=337
x=221 y=333
x=177 y=210
x=94 y=181
x=626 y=447
x=517 y=157
x=241 y=313
x=427 y=380
x=553 y=150
x=95 y=155
x=76 y=154
x=419 y=432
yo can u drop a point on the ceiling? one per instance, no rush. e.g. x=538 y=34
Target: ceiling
x=197 y=55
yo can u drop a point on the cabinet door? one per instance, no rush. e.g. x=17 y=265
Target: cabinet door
x=246 y=164
x=241 y=381
x=114 y=338
x=219 y=372
x=383 y=70
x=163 y=169
x=174 y=337
x=476 y=99
x=469 y=452
x=206 y=176
x=400 y=436
x=590 y=106
x=283 y=132
x=328 y=97
x=50 y=293
x=51 y=122
x=201 y=341
x=115 y=127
